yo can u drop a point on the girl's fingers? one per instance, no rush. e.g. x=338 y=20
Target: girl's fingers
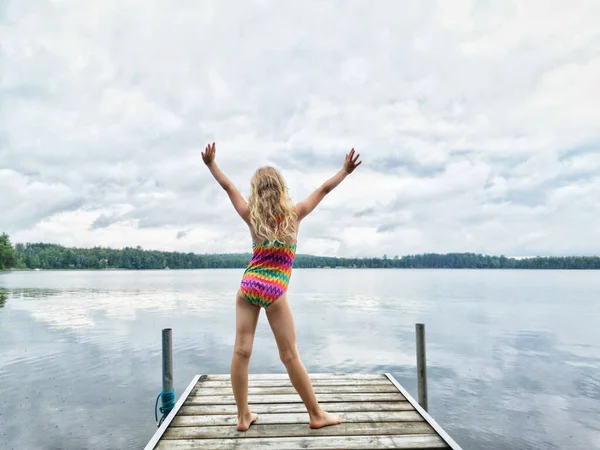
x=350 y=157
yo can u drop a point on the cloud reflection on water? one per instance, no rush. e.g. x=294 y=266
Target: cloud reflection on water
x=504 y=372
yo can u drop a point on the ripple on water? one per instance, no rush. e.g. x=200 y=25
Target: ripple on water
x=80 y=352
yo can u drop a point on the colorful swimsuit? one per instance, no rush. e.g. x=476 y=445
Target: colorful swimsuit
x=268 y=273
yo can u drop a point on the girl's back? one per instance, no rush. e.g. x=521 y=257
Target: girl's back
x=273 y=220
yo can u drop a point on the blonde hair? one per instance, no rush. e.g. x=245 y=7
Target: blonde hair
x=272 y=214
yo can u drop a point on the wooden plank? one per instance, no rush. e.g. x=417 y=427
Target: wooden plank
x=263 y=408
x=451 y=443
x=291 y=430
x=377 y=413
x=161 y=430
x=312 y=376
x=301 y=418
x=349 y=389
x=293 y=398
x=282 y=382
x=407 y=442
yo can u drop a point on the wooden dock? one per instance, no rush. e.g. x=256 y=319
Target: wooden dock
x=376 y=410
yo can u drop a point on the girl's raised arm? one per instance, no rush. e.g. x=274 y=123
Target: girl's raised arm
x=305 y=207
x=239 y=203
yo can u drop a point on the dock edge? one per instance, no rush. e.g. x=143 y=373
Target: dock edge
x=161 y=430
x=445 y=436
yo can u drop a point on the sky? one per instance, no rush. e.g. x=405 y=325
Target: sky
x=477 y=122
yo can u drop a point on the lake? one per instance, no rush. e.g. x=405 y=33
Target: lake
x=513 y=356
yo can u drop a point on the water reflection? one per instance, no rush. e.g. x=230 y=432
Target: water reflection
x=508 y=368
x=3 y=297
x=79 y=307
x=32 y=293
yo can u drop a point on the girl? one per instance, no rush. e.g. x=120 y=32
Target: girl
x=273 y=221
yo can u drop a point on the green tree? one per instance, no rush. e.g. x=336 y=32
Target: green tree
x=52 y=256
x=7 y=253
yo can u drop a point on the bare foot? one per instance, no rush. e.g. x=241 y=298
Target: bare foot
x=245 y=421
x=324 y=420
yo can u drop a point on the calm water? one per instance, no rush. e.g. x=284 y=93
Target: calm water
x=514 y=356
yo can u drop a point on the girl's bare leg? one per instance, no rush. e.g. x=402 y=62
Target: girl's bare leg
x=246 y=318
x=281 y=321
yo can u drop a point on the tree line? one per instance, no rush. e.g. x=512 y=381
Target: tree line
x=53 y=256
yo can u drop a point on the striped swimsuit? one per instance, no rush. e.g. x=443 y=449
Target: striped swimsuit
x=268 y=273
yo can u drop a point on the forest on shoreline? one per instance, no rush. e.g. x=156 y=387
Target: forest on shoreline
x=42 y=256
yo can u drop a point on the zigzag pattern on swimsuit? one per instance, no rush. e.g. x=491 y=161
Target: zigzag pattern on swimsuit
x=268 y=273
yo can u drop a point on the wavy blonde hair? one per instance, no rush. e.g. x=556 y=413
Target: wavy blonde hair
x=272 y=214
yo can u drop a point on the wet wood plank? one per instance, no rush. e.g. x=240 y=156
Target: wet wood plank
x=262 y=408
x=291 y=430
x=407 y=442
x=313 y=376
x=293 y=398
x=301 y=418
x=201 y=390
x=282 y=382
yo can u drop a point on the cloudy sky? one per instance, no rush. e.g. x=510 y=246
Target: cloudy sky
x=478 y=122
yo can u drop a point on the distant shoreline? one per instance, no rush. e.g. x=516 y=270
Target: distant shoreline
x=83 y=269
x=41 y=256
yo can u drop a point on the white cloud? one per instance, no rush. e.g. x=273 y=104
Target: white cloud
x=477 y=123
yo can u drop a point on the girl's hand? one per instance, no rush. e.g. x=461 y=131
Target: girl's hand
x=350 y=163
x=208 y=155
